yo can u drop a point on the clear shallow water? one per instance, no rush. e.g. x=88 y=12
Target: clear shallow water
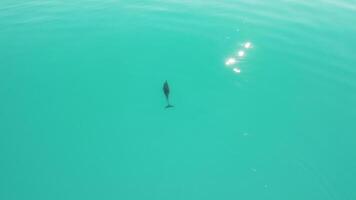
x=82 y=110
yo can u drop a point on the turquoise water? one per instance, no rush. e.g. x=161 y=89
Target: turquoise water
x=82 y=109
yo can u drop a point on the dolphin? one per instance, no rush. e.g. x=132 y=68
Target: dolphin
x=166 y=93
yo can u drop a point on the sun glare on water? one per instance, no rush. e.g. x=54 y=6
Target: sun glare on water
x=241 y=53
x=230 y=61
x=247 y=45
x=237 y=70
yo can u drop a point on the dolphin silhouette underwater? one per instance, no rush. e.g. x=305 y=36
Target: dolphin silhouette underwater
x=166 y=93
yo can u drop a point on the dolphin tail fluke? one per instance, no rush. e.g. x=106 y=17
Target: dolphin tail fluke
x=169 y=106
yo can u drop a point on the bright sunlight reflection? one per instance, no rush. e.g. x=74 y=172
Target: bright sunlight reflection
x=247 y=45
x=241 y=53
x=237 y=70
x=232 y=61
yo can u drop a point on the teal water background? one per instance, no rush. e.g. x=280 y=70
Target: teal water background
x=82 y=110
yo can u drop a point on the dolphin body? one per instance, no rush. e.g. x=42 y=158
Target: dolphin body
x=166 y=93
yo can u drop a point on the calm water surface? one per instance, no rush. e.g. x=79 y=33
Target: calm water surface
x=264 y=95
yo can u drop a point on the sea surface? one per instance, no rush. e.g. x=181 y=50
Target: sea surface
x=264 y=95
